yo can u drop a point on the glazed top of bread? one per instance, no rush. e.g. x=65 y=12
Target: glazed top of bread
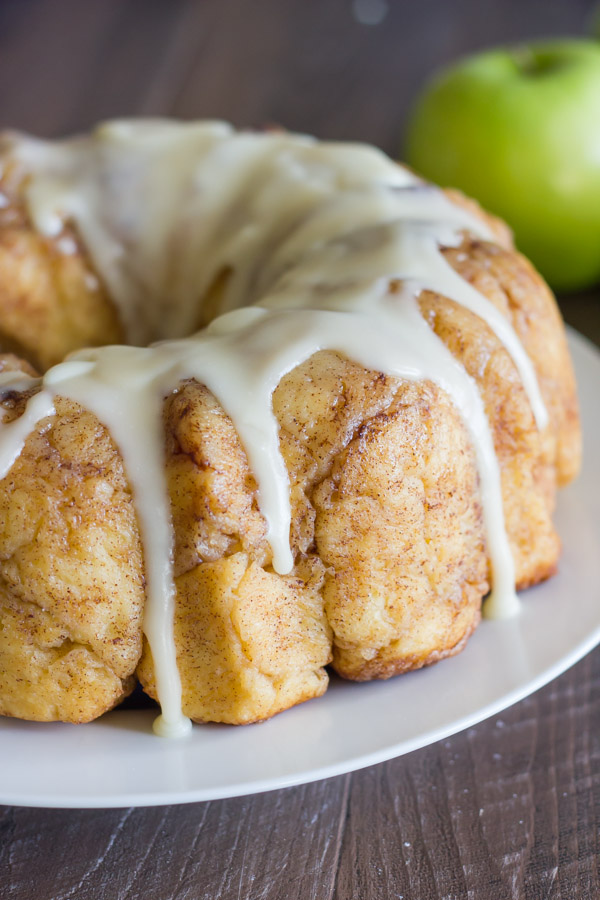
x=285 y=246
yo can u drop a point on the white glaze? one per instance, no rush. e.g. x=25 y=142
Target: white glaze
x=309 y=233
x=14 y=434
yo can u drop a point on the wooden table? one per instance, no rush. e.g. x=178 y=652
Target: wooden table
x=508 y=809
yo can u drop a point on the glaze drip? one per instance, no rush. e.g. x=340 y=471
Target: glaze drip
x=304 y=240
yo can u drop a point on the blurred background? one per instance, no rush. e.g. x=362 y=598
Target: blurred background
x=344 y=69
x=341 y=69
x=335 y=68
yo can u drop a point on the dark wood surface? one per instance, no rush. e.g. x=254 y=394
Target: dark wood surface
x=508 y=809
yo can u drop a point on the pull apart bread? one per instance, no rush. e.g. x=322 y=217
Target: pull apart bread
x=365 y=441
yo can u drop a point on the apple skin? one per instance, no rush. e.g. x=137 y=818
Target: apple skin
x=519 y=129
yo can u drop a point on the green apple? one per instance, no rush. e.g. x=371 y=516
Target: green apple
x=518 y=128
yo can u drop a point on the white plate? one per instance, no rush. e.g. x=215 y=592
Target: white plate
x=117 y=761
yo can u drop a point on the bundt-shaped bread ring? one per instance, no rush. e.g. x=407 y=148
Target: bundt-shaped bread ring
x=389 y=525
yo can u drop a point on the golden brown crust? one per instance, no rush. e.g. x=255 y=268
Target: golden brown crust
x=399 y=527
x=250 y=643
x=71 y=581
x=528 y=481
x=513 y=285
x=375 y=494
x=386 y=529
x=509 y=280
x=383 y=669
x=47 y=676
x=51 y=300
x=500 y=230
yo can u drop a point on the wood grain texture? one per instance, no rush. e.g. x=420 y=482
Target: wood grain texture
x=509 y=809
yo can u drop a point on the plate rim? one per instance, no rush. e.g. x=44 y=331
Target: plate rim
x=583 y=348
